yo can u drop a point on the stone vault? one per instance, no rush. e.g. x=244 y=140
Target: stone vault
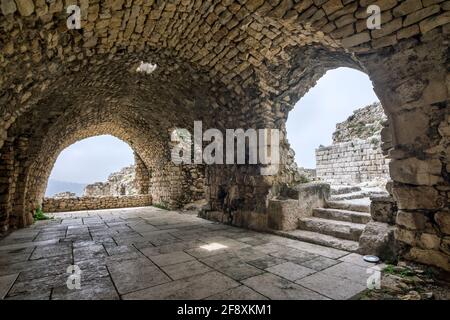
x=231 y=64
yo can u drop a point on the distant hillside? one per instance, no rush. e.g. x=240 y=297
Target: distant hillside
x=55 y=186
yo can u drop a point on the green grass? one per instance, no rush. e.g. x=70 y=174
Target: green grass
x=161 y=205
x=40 y=215
x=404 y=273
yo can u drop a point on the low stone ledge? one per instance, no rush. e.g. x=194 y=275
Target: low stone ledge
x=94 y=203
x=283 y=214
x=296 y=202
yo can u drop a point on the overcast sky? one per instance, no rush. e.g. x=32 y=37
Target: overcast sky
x=92 y=159
x=310 y=124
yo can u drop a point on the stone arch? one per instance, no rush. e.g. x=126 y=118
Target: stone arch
x=228 y=63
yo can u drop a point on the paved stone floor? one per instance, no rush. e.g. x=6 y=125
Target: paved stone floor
x=149 y=253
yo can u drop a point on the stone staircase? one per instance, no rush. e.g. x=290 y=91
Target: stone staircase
x=338 y=225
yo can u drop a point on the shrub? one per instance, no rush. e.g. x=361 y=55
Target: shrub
x=40 y=215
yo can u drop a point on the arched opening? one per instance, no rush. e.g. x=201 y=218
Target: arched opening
x=98 y=172
x=335 y=132
x=86 y=166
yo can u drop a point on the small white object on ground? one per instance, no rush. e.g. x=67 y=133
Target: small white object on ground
x=373 y=259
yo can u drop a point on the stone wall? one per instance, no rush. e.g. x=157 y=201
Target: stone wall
x=94 y=203
x=356 y=154
x=352 y=162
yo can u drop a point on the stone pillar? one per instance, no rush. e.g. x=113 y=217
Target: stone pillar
x=142 y=175
x=7 y=184
x=24 y=200
x=378 y=235
x=413 y=85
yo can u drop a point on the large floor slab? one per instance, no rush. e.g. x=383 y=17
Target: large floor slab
x=149 y=253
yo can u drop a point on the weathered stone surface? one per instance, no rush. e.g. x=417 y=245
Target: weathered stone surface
x=356 y=153
x=92 y=203
x=275 y=287
x=290 y=271
x=25 y=7
x=6 y=283
x=420 y=197
x=283 y=214
x=63 y=195
x=434 y=22
x=332 y=287
x=442 y=218
x=196 y=287
x=238 y=293
x=118 y=184
x=412 y=220
x=185 y=269
x=356 y=39
x=433 y=257
x=135 y=275
x=415 y=171
x=383 y=209
x=171 y=258
x=8 y=7
x=378 y=239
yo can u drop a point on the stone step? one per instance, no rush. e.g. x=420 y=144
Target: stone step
x=344 y=189
x=341 y=215
x=347 y=205
x=338 y=229
x=320 y=239
x=355 y=195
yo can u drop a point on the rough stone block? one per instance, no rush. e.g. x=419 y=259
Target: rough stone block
x=383 y=209
x=434 y=22
x=430 y=257
x=416 y=171
x=442 y=219
x=8 y=7
x=413 y=220
x=420 y=15
x=406 y=7
x=283 y=214
x=378 y=239
x=26 y=7
x=417 y=197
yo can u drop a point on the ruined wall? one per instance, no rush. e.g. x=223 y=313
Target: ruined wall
x=356 y=154
x=64 y=194
x=120 y=183
x=352 y=162
x=95 y=203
